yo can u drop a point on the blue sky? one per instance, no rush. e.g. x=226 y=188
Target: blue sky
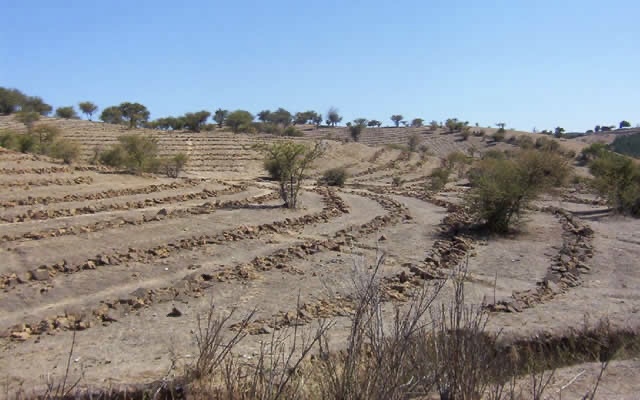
x=530 y=64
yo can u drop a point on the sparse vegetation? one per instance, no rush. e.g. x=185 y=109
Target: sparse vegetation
x=502 y=187
x=137 y=153
x=287 y=162
x=438 y=179
x=355 y=130
x=617 y=178
x=335 y=177
x=628 y=145
x=414 y=142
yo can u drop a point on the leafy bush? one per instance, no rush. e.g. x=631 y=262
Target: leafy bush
x=397 y=181
x=501 y=188
x=525 y=142
x=617 y=178
x=66 y=150
x=335 y=176
x=438 y=179
x=292 y=131
x=287 y=162
x=355 y=130
x=544 y=143
x=499 y=136
x=135 y=152
x=174 y=165
x=114 y=157
x=414 y=142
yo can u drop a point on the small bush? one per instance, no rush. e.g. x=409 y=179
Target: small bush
x=501 y=188
x=498 y=136
x=114 y=157
x=525 y=142
x=479 y=133
x=335 y=176
x=174 y=165
x=546 y=144
x=27 y=144
x=9 y=140
x=438 y=179
x=413 y=142
x=465 y=134
x=397 y=181
x=66 y=150
x=292 y=131
x=617 y=179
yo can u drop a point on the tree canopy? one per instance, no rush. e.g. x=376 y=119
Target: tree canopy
x=88 y=108
x=396 y=119
x=66 y=112
x=239 y=121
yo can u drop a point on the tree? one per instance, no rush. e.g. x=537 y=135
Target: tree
x=239 y=121
x=374 y=122
x=28 y=118
x=287 y=162
x=305 y=117
x=112 y=115
x=558 y=132
x=36 y=104
x=280 y=117
x=360 y=121
x=10 y=100
x=417 y=123
x=317 y=119
x=597 y=128
x=195 y=121
x=66 y=113
x=625 y=124
x=333 y=118
x=396 y=119
x=264 y=116
x=134 y=113
x=220 y=116
x=88 y=108
x=433 y=125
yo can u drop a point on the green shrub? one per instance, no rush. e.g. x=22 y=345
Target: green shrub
x=397 y=181
x=629 y=145
x=499 y=136
x=173 y=166
x=525 y=142
x=617 y=179
x=289 y=161
x=114 y=157
x=501 y=188
x=335 y=176
x=438 y=179
x=413 y=142
x=66 y=150
x=292 y=131
x=546 y=144
x=27 y=144
x=9 y=140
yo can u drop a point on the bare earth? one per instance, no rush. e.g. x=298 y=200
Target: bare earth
x=116 y=270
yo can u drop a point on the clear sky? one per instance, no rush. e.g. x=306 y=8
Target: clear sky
x=529 y=63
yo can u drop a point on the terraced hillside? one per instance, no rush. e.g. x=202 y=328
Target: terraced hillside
x=129 y=263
